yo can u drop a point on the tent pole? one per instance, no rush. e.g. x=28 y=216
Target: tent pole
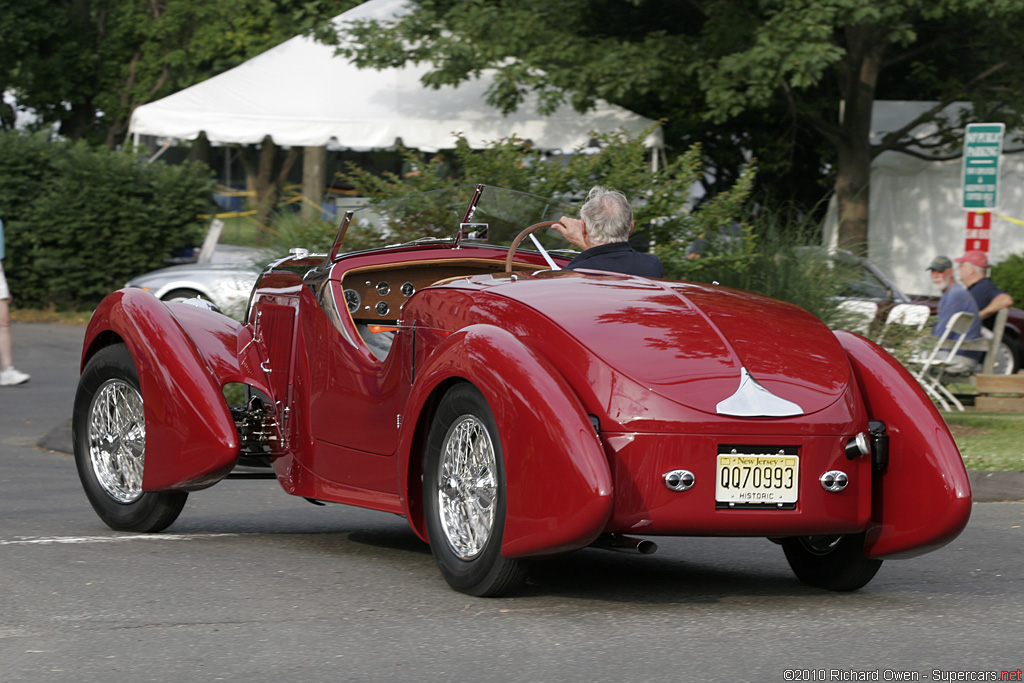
x=657 y=156
x=314 y=177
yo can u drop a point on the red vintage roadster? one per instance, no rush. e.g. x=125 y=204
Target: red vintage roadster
x=512 y=410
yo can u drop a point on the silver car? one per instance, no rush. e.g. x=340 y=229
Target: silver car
x=225 y=281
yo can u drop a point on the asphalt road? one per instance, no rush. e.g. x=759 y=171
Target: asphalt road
x=251 y=584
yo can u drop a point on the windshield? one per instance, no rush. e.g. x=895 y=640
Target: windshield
x=467 y=213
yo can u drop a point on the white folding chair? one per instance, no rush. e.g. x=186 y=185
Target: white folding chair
x=932 y=365
x=998 y=358
x=912 y=316
x=856 y=315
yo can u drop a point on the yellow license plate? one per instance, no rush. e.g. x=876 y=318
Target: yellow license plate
x=755 y=479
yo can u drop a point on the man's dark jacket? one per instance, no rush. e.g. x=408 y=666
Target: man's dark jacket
x=619 y=257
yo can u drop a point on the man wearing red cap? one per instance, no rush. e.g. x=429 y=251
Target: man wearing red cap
x=990 y=299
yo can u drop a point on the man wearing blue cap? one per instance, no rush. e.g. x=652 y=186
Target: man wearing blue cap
x=955 y=298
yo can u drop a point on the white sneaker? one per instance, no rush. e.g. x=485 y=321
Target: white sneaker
x=12 y=376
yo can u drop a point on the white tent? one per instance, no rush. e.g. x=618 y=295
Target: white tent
x=301 y=94
x=915 y=209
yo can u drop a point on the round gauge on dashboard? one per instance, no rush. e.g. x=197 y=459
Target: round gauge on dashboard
x=382 y=308
x=383 y=288
x=408 y=289
x=352 y=300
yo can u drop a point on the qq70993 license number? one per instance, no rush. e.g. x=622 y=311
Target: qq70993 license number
x=757 y=479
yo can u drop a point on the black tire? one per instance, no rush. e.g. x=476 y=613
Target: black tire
x=835 y=563
x=465 y=524
x=182 y=295
x=110 y=464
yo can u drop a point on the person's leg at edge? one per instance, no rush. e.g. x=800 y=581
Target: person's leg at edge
x=9 y=375
x=5 y=335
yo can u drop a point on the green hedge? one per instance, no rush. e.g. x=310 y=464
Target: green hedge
x=1008 y=275
x=79 y=222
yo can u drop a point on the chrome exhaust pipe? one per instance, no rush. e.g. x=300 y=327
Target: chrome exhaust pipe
x=625 y=544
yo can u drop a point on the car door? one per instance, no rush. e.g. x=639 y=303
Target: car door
x=274 y=333
x=354 y=394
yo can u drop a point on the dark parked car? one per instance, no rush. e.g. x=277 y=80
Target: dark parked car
x=511 y=410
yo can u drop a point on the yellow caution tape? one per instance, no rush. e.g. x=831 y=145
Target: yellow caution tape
x=227 y=214
x=1007 y=218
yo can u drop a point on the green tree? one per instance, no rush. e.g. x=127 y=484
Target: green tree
x=793 y=77
x=86 y=64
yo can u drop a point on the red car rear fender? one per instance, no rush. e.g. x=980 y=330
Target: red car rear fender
x=923 y=499
x=183 y=360
x=559 y=487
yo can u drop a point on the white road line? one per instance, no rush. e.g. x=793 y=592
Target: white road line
x=51 y=540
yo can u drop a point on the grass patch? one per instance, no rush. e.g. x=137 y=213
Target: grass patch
x=988 y=441
x=36 y=315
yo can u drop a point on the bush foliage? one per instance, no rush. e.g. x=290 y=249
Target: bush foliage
x=79 y=222
x=765 y=253
x=661 y=199
x=1008 y=275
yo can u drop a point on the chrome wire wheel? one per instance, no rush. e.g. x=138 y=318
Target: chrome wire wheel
x=117 y=440
x=464 y=491
x=109 y=436
x=467 y=487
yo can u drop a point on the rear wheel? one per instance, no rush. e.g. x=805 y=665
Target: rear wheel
x=109 y=430
x=464 y=496
x=833 y=562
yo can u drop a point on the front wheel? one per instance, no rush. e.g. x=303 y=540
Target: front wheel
x=464 y=496
x=109 y=430
x=832 y=562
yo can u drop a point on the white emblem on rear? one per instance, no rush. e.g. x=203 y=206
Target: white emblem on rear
x=753 y=400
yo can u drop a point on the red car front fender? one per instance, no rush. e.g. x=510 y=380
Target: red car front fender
x=191 y=441
x=923 y=499
x=558 y=483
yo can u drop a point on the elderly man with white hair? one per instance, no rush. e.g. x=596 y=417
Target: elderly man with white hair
x=990 y=299
x=954 y=299
x=602 y=231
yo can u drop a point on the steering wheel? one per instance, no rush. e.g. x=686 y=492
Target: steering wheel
x=520 y=237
